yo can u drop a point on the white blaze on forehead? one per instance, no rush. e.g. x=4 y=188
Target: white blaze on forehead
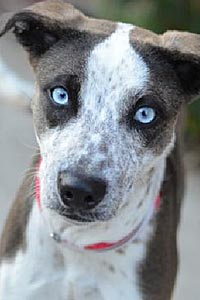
x=114 y=70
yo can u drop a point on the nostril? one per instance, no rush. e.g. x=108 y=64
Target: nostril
x=69 y=195
x=90 y=202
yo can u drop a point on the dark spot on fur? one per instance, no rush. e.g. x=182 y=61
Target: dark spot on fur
x=139 y=204
x=111 y=268
x=136 y=241
x=120 y=251
x=59 y=259
x=125 y=205
x=108 y=266
x=123 y=274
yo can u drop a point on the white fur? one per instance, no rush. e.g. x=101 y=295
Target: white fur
x=40 y=273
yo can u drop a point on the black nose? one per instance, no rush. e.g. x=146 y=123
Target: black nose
x=80 y=192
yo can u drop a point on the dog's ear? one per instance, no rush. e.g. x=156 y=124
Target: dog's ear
x=40 y=26
x=183 y=51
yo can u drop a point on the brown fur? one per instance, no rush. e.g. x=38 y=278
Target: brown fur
x=13 y=237
x=158 y=271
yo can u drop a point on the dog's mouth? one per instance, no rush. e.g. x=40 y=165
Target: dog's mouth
x=75 y=216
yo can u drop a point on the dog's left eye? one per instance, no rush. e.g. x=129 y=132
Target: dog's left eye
x=59 y=95
x=145 y=115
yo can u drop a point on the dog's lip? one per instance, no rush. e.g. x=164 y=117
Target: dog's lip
x=82 y=216
x=79 y=218
x=73 y=216
x=74 y=219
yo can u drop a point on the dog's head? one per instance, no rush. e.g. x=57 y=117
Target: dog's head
x=107 y=101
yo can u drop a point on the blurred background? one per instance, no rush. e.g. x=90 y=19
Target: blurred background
x=17 y=141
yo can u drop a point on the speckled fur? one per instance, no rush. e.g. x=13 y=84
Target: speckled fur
x=108 y=68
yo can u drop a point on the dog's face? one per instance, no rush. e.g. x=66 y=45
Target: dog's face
x=107 y=101
x=102 y=130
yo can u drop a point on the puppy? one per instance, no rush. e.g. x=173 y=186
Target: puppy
x=99 y=218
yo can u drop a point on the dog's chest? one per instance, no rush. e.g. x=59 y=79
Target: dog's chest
x=43 y=272
x=104 y=276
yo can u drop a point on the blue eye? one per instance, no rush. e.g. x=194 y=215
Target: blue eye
x=60 y=96
x=145 y=115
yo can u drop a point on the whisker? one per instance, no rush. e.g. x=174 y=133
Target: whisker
x=29 y=173
x=30 y=146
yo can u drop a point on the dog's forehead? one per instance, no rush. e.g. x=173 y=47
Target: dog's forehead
x=116 y=54
x=114 y=69
x=104 y=44
x=98 y=58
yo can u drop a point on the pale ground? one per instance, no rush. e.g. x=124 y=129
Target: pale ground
x=17 y=146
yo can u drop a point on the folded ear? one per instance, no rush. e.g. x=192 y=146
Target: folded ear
x=40 y=26
x=184 y=53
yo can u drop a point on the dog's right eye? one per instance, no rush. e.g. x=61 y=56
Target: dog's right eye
x=59 y=96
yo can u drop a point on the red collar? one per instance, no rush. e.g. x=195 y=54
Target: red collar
x=102 y=246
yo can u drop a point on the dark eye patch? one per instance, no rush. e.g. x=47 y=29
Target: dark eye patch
x=146 y=101
x=58 y=115
x=150 y=132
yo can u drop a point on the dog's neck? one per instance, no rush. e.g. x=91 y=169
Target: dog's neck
x=83 y=272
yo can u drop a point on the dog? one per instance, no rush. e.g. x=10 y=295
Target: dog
x=97 y=214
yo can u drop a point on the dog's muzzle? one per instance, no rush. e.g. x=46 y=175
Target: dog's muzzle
x=74 y=190
x=79 y=192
